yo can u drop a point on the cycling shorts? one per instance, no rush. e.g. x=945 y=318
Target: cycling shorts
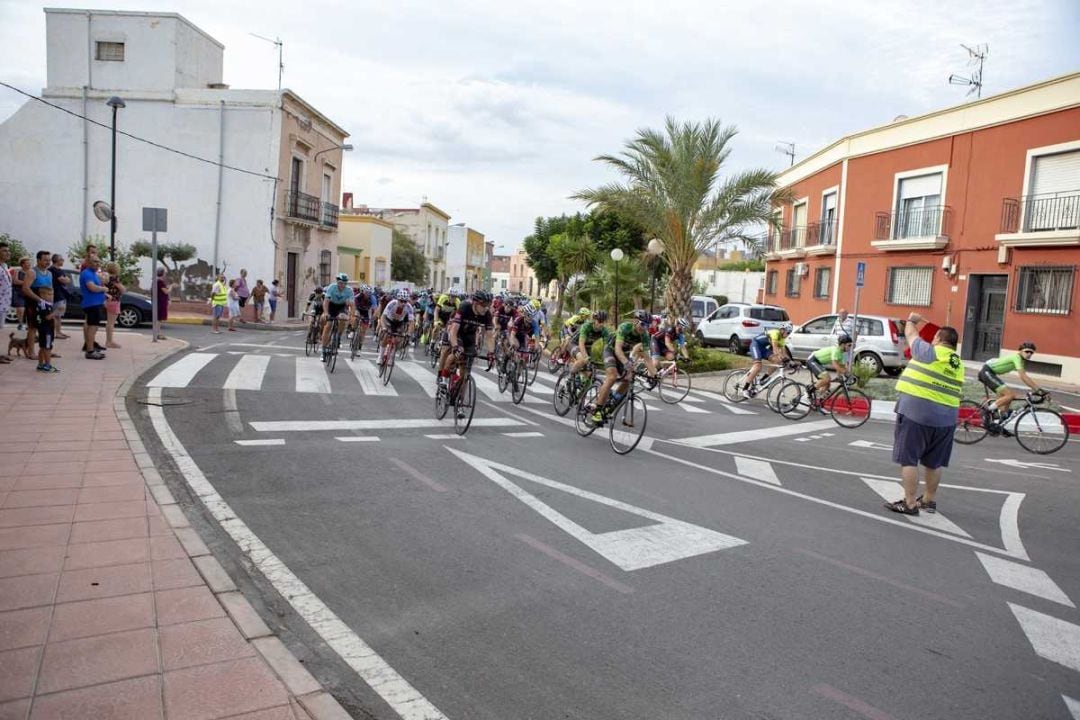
x=610 y=361
x=395 y=326
x=816 y=368
x=760 y=351
x=990 y=379
x=658 y=348
x=335 y=309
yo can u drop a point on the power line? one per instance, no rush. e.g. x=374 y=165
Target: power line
x=140 y=139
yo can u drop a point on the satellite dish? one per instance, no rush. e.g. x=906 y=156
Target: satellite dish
x=103 y=211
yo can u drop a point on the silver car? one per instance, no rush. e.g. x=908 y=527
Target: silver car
x=735 y=325
x=879 y=343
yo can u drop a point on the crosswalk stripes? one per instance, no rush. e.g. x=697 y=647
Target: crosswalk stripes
x=1053 y=639
x=890 y=491
x=248 y=373
x=369 y=379
x=183 y=371
x=424 y=377
x=311 y=376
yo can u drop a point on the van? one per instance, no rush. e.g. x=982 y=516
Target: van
x=701 y=306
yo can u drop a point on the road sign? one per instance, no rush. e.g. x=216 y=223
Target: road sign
x=860 y=274
x=155 y=219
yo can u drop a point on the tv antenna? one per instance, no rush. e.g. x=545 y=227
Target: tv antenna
x=976 y=56
x=280 y=63
x=787 y=148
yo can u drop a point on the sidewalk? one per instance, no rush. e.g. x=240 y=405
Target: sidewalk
x=184 y=318
x=110 y=604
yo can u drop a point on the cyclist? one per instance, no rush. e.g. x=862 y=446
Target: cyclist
x=762 y=348
x=591 y=330
x=539 y=319
x=520 y=330
x=444 y=309
x=627 y=341
x=570 y=330
x=989 y=377
x=364 y=302
x=337 y=297
x=471 y=317
x=396 y=318
x=820 y=362
x=670 y=338
x=315 y=301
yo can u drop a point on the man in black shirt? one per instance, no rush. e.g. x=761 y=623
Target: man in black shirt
x=473 y=317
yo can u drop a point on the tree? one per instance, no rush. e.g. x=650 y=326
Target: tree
x=126 y=259
x=18 y=250
x=408 y=263
x=609 y=230
x=573 y=255
x=673 y=189
x=174 y=253
x=632 y=279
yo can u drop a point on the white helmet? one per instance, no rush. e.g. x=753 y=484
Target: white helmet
x=403 y=294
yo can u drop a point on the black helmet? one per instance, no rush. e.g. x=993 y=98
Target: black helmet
x=1027 y=345
x=482 y=296
x=642 y=316
x=600 y=316
x=844 y=339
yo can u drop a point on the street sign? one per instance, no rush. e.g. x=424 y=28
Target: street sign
x=154 y=220
x=860 y=274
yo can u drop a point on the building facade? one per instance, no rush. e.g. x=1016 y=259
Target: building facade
x=365 y=246
x=428 y=226
x=168 y=73
x=500 y=273
x=969 y=216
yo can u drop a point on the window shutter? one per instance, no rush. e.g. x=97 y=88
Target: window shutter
x=921 y=186
x=1056 y=173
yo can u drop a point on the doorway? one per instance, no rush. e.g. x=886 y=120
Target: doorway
x=987 y=300
x=292 y=262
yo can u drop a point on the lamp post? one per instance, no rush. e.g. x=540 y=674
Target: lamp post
x=115 y=103
x=617 y=256
x=655 y=248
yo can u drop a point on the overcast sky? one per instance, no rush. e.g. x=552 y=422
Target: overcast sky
x=493 y=110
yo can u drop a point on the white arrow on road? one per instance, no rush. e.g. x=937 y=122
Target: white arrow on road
x=664 y=541
x=1025 y=465
x=868 y=444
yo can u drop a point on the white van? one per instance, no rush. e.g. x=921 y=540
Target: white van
x=701 y=306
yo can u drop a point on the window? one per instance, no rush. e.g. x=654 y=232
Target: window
x=1053 y=202
x=828 y=220
x=1045 y=290
x=770 y=282
x=502 y=284
x=822 y=280
x=768 y=314
x=697 y=308
x=909 y=286
x=918 y=207
x=324 y=268
x=380 y=272
x=870 y=327
x=798 y=225
x=821 y=326
x=456 y=280
x=109 y=51
x=791 y=288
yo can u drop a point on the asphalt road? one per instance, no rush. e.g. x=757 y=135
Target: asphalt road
x=736 y=565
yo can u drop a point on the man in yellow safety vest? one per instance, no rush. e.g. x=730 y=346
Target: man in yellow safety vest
x=929 y=399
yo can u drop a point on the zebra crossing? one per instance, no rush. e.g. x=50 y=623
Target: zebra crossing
x=282 y=372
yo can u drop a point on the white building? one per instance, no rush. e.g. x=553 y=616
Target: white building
x=456 y=248
x=168 y=72
x=428 y=226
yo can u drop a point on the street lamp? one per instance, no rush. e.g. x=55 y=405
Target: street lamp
x=115 y=103
x=345 y=148
x=617 y=256
x=655 y=248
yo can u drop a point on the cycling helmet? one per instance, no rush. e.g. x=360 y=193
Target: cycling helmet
x=1027 y=345
x=482 y=296
x=584 y=311
x=642 y=316
x=683 y=323
x=786 y=328
x=342 y=277
x=319 y=289
x=403 y=294
x=600 y=316
x=526 y=311
x=844 y=339
x=535 y=304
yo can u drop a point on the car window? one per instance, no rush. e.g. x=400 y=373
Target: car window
x=713 y=316
x=821 y=326
x=769 y=314
x=697 y=308
x=868 y=326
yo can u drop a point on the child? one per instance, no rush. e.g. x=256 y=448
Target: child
x=45 y=329
x=234 y=304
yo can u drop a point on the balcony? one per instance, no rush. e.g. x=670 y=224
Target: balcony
x=1051 y=219
x=924 y=228
x=329 y=215
x=821 y=238
x=303 y=207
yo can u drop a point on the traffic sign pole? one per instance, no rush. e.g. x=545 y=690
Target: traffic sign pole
x=860 y=280
x=154 y=220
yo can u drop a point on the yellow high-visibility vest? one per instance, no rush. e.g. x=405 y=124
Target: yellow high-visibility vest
x=941 y=381
x=220 y=294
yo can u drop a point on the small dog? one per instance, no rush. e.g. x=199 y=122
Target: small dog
x=20 y=346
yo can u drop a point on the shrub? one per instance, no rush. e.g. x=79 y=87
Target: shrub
x=863 y=375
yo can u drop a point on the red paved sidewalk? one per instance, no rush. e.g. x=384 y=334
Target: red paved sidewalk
x=110 y=604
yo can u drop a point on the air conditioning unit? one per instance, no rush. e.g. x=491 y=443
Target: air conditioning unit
x=802 y=269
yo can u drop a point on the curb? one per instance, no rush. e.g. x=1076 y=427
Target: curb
x=248 y=326
x=300 y=683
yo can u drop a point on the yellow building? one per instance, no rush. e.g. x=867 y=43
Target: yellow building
x=365 y=247
x=475 y=259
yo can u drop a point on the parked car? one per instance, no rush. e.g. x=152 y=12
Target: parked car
x=735 y=325
x=135 y=309
x=701 y=306
x=879 y=344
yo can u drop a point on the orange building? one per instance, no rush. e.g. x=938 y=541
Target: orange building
x=969 y=216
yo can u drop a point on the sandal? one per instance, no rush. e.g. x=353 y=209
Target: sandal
x=901 y=507
x=929 y=506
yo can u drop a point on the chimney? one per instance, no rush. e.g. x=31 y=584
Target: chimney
x=346 y=201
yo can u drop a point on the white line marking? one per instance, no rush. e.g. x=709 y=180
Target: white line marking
x=1023 y=578
x=1052 y=639
x=507 y=413
x=248 y=373
x=1073 y=706
x=890 y=490
x=524 y=434
x=728 y=405
x=232 y=412
x=252 y=443
x=405 y=700
x=664 y=541
x=692 y=409
x=491 y=390
x=581 y=567
x=424 y=378
x=357 y=438
x=437 y=487
x=388 y=424
x=740 y=436
x=310 y=375
x=446 y=437
x=267 y=347
x=869 y=445
x=182 y=372
x=757 y=469
x=370 y=382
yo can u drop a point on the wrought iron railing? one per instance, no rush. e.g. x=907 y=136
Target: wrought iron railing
x=819 y=234
x=1041 y=213
x=302 y=206
x=932 y=221
x=329 y=215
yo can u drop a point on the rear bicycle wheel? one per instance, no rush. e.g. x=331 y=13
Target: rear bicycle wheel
x=970 y=425
x=442 y=401
x=772 y=396
x=583 y=421
x=733 y=385
x=563 y=399
x=1041 y=431
x=628 y=424
x=506 y=372
x=464 y=405
x=850 y=408
x=520 y=382
x=335 y=345
x=389 y=369
x=793 y=399
x=674 y=386
x=357 y=342
x=309 y=341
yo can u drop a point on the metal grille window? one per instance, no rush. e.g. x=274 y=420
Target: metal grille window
x=770 y=282
x=822 y=280
x=1045 y=290
x=324 y=268
x=909 y=286
x=109 y=51
x=791 y=288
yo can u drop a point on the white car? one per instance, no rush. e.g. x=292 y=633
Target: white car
x=735 y=325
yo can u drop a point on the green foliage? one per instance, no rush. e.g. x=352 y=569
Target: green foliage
x=609 y=230
x=408 y=263
x=126 y=259
x=863 y=375
x=632 y=277
x=743 y=265
x=18 y=250
x=707 y=359
x=699 y=287
x=720 y=299
x=175 y=252
x=537 y=250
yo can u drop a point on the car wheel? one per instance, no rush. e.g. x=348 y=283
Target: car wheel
x=129 y=317
x=735 y=345
x=894 y=371
x=871 y=362
x=701 y=339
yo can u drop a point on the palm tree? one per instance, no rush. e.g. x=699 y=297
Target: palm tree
x=573 y=254
x=673 y=188
x=632 y=276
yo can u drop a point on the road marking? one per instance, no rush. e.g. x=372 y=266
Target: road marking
x=867 y=573
x=491 y=390
x=402 y=697
x=1023 y=578
x=181 y=372
x=437 y=487
x=741 y=436
x=890 y=490
x=524 y=434
x=232 y=412
x=1055 y=640
x=248 y=373
x=692 y=409
x=581 y=567
x=1073 y=706
x=664 y=541
x=357 y=438
x=453 y=436
x=757 y=469
x=266 y=347
x=254 y=443
x=311 y=376
x=424 y=378
x=869 y=445
x=370 y=382
x=389 y=424
x=727 y=404
x=1026 y=464
x=507 y=413
x=851 y=703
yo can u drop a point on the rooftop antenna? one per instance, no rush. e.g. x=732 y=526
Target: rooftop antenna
x=787 y=148
x=976 y=56
x=280 y=63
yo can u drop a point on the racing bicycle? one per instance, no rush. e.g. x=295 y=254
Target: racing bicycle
x=625 y=415
x=848 y=406
x=459 y=392
x=1038 y=429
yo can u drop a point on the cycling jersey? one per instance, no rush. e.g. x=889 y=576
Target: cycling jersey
x=338 y=296
x=398 y=310
x=592 y=331
x=661 y=337
x=1006 y=364
x=627 y=335
x=770 y=338
x=469 y=322
x=826 y=356
x=315 y=301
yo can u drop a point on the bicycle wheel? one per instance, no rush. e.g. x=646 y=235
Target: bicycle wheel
x=335 y=344
x=464 y=405
x=628 y=424
x=533 y=367
x=442 y=401
x=520 y=382
x=563 y=398
x=403 y=347
x=309 y=341
x=772 y=395
x=390 y=354
x=552 y=365
x=434 y=349
x=583 y=421
x=970 y=425
x=733 y=385
x=357 y=342
x=674 y=386
x=1041 y=431
x=849 y=407
x=793 y=400
x=505 y=370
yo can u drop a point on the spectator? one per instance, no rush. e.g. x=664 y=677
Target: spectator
x=162 y=287
x=38 y=278
x=5 y=289
x=275 y=296
x=43 y=321
x=61 y=294
x=843 y=325
x=18 y=274
x=929 y=397
x=114 y=291
x=242 y=295
x=258 y=299
x=234 y=304
x=219 y=299
x=91 y=254
x=93 y=304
